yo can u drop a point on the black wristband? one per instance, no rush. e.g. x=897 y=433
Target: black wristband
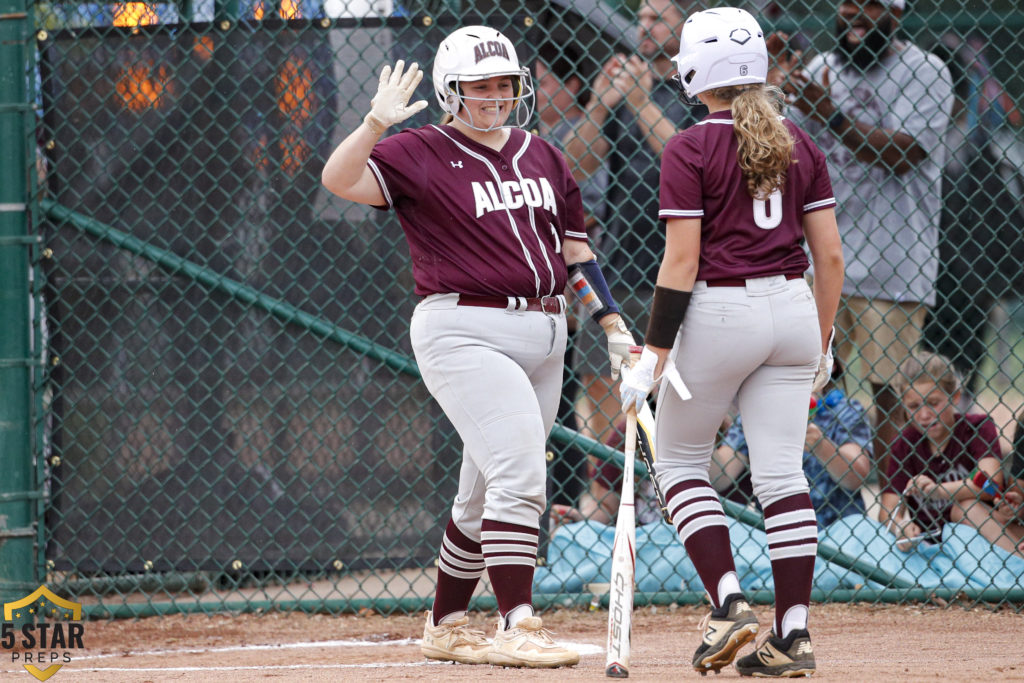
x=837 y=121
x=667 y=312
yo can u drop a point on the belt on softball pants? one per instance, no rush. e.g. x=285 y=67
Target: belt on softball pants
x=516 y=304
x=742 y=282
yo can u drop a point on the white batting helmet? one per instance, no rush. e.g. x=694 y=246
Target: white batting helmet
x=476 y=53
x=720 y=47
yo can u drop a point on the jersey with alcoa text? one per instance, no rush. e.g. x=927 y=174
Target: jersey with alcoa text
x=741 y=237
x=479 y=221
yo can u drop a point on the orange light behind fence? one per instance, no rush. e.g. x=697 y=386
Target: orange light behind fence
x=294 y=89
x=141 y=87
x=294 y=84
x=294 y=152
x=203 y=47
x=288 y=9
x=134 y=14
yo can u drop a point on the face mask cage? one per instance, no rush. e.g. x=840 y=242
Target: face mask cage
x=522 y=102
x=691 y=100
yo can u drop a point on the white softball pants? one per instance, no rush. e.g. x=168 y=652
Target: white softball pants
x=759 y=344
x=498 y=378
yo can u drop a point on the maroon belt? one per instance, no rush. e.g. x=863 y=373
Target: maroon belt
x=547 y=304
x=742 y=282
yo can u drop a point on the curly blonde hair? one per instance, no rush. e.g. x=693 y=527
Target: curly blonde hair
x=765 y=144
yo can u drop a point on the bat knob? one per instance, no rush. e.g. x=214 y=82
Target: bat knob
x=616 y=671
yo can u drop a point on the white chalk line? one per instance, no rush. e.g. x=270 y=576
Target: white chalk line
x=267 y=667
x=244 y=648
x=583 y=648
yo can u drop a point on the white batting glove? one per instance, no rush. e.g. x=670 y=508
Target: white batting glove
x=825 y=365
x=619 y=341
x=391 y=103
x=637 y=381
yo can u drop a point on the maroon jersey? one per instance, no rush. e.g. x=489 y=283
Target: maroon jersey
x=479 y=221
x=974 y=437
x=741 y=237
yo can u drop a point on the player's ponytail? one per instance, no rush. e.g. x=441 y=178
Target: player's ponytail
x=765 y=144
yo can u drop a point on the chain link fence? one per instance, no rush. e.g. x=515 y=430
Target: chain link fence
x=229 y=415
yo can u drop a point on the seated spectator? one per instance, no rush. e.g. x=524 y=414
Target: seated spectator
x=1005 y=521
x=837 y=456
x=937 y=458
x=600 y=502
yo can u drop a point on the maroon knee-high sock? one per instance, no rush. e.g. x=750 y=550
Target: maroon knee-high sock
x=510 y=553
x=460 y=565
x=792 y=547
x=701 y=524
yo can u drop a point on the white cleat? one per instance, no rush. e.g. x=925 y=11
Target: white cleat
x=453 y=642
x=529 y=644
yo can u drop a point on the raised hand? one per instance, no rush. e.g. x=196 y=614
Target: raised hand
x=639 y=82
x=612 y=82
x=784 y=60
x=391 y=103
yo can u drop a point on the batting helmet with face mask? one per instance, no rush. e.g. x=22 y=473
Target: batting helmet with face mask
x=720 y=47
x=476 y=53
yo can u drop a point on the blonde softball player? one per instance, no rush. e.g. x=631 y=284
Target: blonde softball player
x=741 y=192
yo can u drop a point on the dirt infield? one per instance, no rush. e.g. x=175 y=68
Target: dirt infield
x=852 y=643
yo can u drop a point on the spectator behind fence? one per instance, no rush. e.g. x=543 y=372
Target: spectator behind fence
x=980 y=244
x=1006 y=521
x=561 y=96
x=879 y=107
x=938 y=455
x=837 y=455
x=633 y=110
x=600 y=502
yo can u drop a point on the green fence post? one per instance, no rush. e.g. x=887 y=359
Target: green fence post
x=226 y=10
x=17 y=525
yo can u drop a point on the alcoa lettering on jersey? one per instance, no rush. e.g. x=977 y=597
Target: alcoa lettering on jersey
x=513 y=194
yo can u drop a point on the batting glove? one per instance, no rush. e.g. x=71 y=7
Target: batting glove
x=637 y=381
x=619 y=341
x=391 y=103
x=825 y=365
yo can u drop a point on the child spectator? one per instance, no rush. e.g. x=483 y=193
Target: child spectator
x=600 y=502
x=937 y=458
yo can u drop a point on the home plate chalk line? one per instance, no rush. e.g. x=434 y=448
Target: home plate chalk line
x=583 y=648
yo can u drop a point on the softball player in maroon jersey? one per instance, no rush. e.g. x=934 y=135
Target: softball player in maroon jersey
x=495 y=228
x=741 y=191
